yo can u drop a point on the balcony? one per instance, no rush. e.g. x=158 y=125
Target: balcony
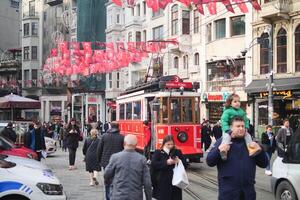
x=275 y=9
x=54 y=2
x=7 y=87
x=228 y=85
x=31 y=84
x=134 y=21
x=30 y=15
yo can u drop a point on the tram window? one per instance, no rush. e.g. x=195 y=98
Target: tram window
x=128 y=110
x=137 y=110
x=187 y=110
x=164 y=111
x=197 y=110
x=176 y=110
x=122 y=111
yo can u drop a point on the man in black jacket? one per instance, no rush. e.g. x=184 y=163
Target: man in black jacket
x=111 y=142
x=217 y=130
x=9 y=133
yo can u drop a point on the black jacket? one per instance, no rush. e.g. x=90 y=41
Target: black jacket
x=110 y=143
x=205 y=133
x=89 y=150
x=72 y=138
x=9 y=133
x=266 y=143
x=217 y=132
x=162 y=175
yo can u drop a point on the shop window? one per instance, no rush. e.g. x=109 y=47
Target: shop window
x=128 y=111
x=26 y=29
x=137 y=110
x=176 y=62
x=187 y=110
x=220 y=28
x=174 y=19
x=158 y=33
x=196 y=21
x=281 y=51
x=238 y=25
x=297 y=49
x=175 y=106
x=185 y=22
x=208 y=32
x=196 y=59
x=264 y=54
x=26 y=53
x=122 y=111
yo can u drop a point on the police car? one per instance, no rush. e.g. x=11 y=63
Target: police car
x=20 y=182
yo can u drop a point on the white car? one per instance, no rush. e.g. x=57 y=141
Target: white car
x=19 y=182
x=51 y=145
x=285 y=179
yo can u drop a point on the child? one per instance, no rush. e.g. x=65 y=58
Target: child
x=232 y=109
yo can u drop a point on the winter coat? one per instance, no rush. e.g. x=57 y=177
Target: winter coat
x=110 y=143
x=205 y=133
x=130 y=175
x=229 y=114
x=90 y=152
x=236 y=175
x=9 y=133
x=268 y=145
x=282 y=135
x=73 y=138
x=162 y=175
x=217 y=132
x=35 y=139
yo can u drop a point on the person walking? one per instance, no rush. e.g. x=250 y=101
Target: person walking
x=9 y=133
x=106 y=126
x=129 y=173
x=217 y=130
x=162 y=164
x=35 y=139
x=205 y=135
x=90 y=152
x=283 y=137
x=236 y=175
x=269 y=145
x=27 y=136
x=72 y=137
x=111 y=142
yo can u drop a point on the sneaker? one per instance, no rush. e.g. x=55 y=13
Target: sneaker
x=253 y=151
x=268 y=173
x=70 y=167
x=91 y=183
x=95 y=181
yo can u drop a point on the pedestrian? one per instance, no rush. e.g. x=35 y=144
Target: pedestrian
x=63 y=138
x=236 y=175
x=162 y=164
x=72 y=136
x=90 y=152
x=35 y=139
x=27 y=136
x=147 y=139
x=106 y=126
x=9 y=133
x=111 y=142
x=251 y=130
x=55 y=127
x=217 y=130
x=269 y=145
x=100 y=127
x=233 y=109
x=129 y=173
x=205 y=135
x=283 y=137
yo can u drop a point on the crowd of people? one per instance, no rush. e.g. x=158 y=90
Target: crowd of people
x=127 y=174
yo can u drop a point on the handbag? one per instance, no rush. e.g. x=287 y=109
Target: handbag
x=180 y=178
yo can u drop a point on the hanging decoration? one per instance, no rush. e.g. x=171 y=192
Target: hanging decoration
x=80 y=58
x=155 y=5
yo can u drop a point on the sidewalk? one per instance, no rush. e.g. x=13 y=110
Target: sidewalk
x=76 y=182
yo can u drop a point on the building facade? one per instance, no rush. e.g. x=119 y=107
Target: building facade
x=281 y=21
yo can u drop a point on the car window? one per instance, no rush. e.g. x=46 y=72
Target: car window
x=294 y=153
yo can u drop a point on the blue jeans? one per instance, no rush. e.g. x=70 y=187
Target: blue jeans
x=107 y=192
x=269 y=155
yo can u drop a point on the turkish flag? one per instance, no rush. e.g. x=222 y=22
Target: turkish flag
x=54 y=52
x=242 y=6
x=185 y=2
x=87 y=46
x=212 y=8
x=118 y=2
x=228 y=5
x=255 y=4
x=163 y=3
x=200 y=8
x=153 y=4
x=196 y=2
x=75 y=45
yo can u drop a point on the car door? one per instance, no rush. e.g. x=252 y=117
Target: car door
x=294 y=166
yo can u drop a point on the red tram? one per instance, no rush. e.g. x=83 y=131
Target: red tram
x=168 y=106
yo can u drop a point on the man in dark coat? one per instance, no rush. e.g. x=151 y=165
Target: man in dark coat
x=35 y=139
x=269 y=146
x=9 y=133
x=236 y=175
x=205 y=135
x=106 y=127
x=111 y=142
x=217 y=130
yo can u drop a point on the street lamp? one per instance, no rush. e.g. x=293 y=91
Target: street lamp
x=270 y=85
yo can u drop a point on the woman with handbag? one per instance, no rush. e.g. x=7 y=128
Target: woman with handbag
x=72 y=137
x=162 y=165
x=269 y=145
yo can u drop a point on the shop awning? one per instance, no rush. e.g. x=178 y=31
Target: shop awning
x=257 y=86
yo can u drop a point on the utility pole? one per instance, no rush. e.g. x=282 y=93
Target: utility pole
x=270 y=84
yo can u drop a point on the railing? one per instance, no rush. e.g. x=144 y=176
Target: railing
x=30 y=15
x=225 y=85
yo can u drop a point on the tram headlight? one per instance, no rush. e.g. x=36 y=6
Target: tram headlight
x=182 y=137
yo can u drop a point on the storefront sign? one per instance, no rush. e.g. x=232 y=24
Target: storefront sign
x=284 y=93
x=92 y=99
x=216 y=96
